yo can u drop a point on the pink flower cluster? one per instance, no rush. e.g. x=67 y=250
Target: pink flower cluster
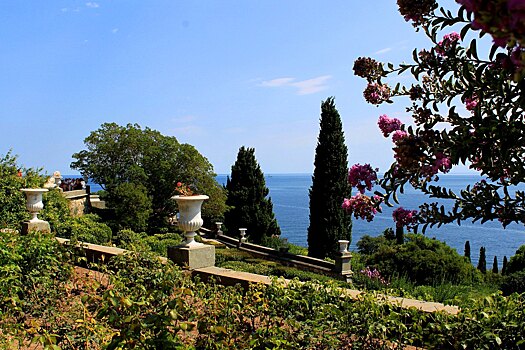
x=366 y=67
x=388 y=125
x=362 y=206
x=442 y=163
x=471 y=103
x=376 y=93
x=362 y=177
x=374 y=274
x=399 y=135
x=449 y=41
x=403 y=217
x=416 y=11
x=503 y=19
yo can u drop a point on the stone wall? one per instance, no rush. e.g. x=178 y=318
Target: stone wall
x=78 y=202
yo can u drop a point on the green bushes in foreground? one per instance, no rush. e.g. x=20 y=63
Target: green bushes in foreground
x=144 y=304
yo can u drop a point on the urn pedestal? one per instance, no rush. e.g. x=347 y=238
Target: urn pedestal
x=191 y=254
x=34 y=205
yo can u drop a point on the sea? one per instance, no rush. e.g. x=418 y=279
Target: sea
x=289 y=195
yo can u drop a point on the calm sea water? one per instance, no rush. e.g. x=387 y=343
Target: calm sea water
x=289 y=193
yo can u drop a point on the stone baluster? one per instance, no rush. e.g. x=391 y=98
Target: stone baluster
x=342 y=261
x=242 y=238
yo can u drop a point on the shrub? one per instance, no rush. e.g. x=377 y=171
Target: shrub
x=420 y=259
x=85 y=228
x=517 y=262
x=513 y=283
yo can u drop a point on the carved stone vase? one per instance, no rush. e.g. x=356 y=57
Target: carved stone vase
x=190 y=219
x=34 y=201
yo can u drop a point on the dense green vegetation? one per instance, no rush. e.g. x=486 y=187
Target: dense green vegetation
x=139 y=169
x=328 y=223
x=140 y=303
x=247 y=198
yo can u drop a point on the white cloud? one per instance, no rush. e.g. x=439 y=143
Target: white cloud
x=304 y=87
x=277 y=82
x=312 y=86
x=92 y=4
x=385 y=50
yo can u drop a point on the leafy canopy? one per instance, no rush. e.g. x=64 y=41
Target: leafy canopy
x=153 y=163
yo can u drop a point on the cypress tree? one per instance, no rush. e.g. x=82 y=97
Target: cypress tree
x=467 y=250
x=504 y=266
x=495 y=265
x=482 y=263
x=247 y=193
x=328 y=222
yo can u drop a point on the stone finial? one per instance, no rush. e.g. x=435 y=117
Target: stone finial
x=242 y=238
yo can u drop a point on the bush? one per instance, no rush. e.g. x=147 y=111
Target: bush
x=32 y=271
x=513 y=283
x=12 y=201
x=86 y=228
x=420 y=259
x=517 y=262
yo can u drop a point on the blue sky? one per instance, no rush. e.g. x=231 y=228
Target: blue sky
x=215 y=74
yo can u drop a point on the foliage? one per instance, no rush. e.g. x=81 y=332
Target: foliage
x=420 y=259
x=86 y=228
x=495 y=268
x=513 y=283
x=33 y=270
x=328 y=223
x=482 y=262
x=132 y=206
x=467 y=107
x=274 y=242
x=118 y=155
x=12 y=201
x=56 y=208
x=140 y=303
x=467 y=250
x=517 y=261
x=247 y=192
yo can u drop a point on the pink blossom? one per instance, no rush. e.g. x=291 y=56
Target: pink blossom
x=471 y=103
x=448 y=42
x=387 y=125
x=403 y=217
x=362 y=206
x=376 y=93
x=362 y=176
x=443 y=163
x=399 y=135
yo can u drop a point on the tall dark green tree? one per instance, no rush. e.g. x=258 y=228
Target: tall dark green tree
x=328 y=222
x=495 y=268
x=504 y=266
x=482 y=263
x=247 y=197
x=467 y=250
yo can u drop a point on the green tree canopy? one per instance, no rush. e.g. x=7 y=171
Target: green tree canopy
x=247 y=193
x=328 y=222
x=154 y=163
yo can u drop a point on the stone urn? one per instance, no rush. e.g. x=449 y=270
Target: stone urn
x=190 y=219
x=343 y=245
x=34 y=202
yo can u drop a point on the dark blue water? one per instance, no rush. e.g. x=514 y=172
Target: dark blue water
x=289 y=193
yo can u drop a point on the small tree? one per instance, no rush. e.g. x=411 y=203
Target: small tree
x=467 y=250
x=482 y=263
x=328 y=223
x=247 y=194
x=495 y=268
x=504 y=266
